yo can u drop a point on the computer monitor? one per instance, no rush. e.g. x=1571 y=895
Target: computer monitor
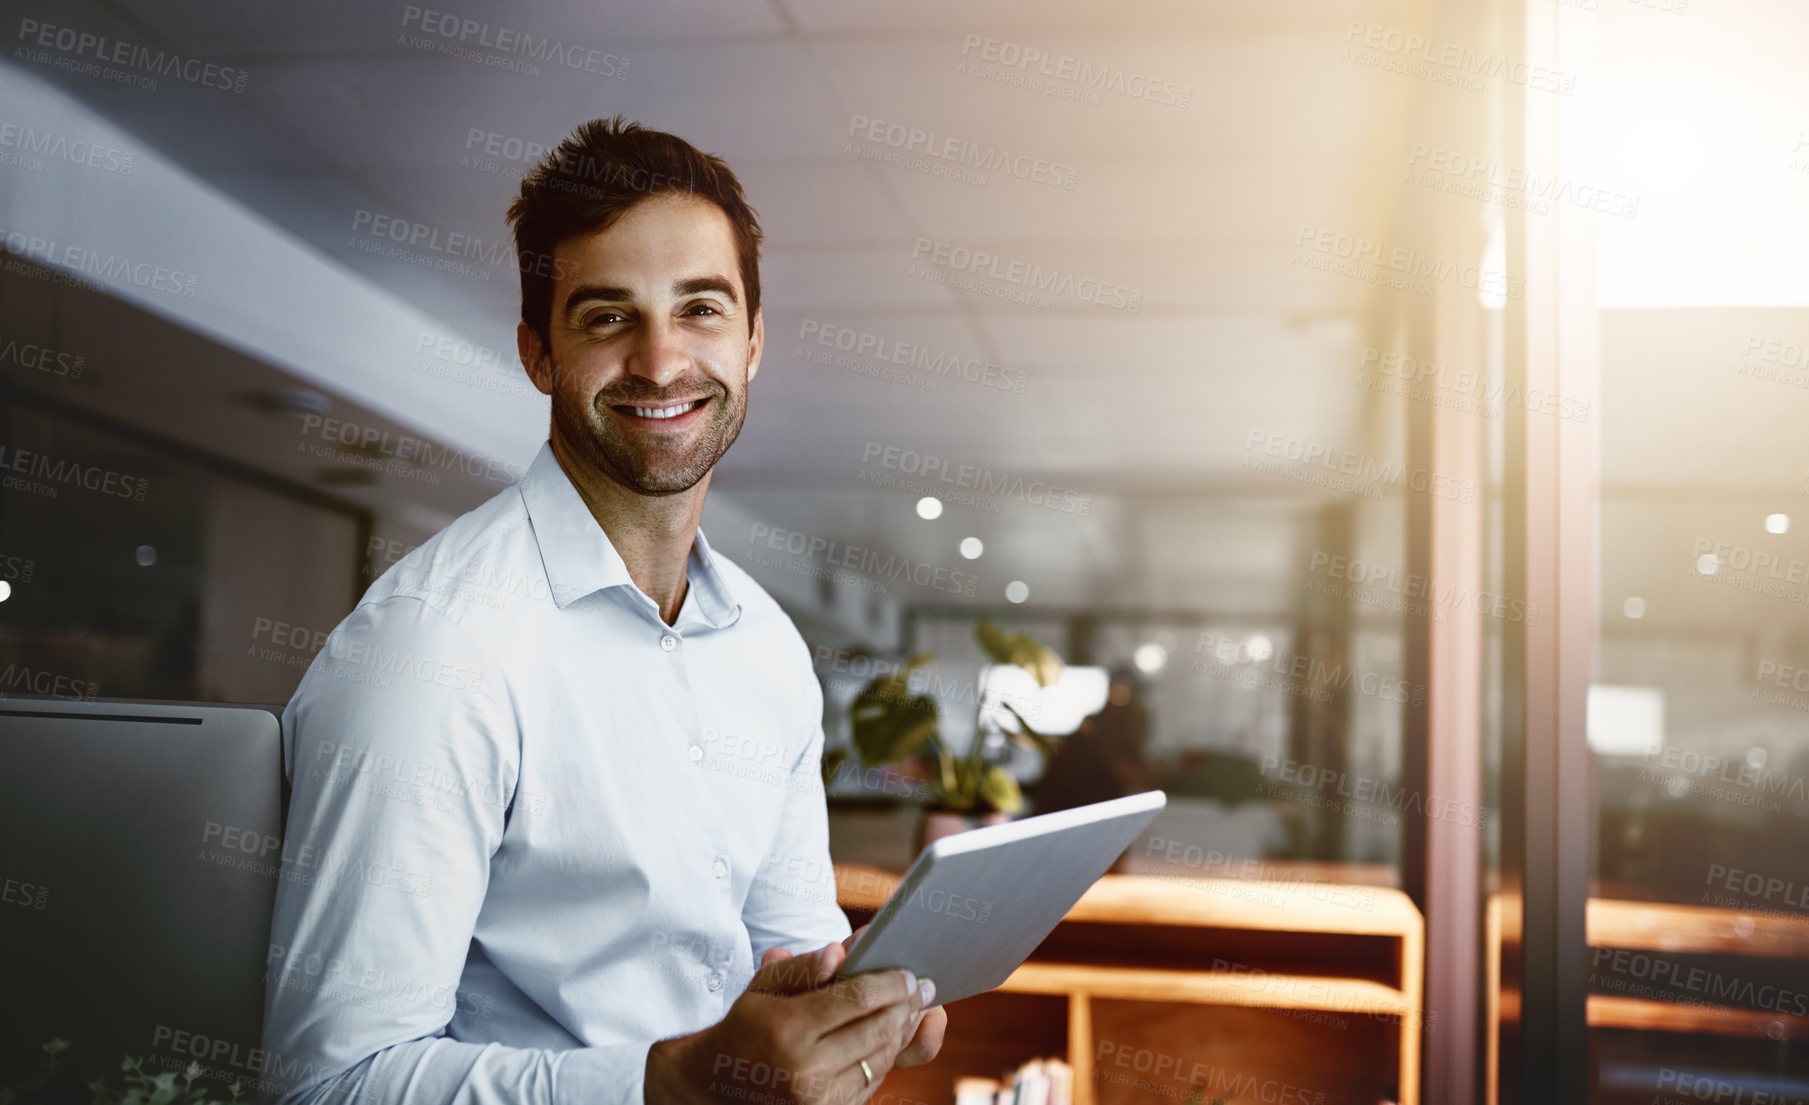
x=139 y=850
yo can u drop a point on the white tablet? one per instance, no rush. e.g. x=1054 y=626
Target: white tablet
x=976 y=904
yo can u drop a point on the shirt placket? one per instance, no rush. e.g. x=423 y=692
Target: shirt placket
x=711 y=826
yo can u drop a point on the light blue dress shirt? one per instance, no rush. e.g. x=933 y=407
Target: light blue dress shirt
x=533 y=828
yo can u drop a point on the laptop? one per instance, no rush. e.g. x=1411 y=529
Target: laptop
x=139 y=848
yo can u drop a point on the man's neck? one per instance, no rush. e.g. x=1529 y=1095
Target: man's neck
x=651 y=533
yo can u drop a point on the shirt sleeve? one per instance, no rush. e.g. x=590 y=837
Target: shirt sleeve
x=792 y=902
x=403 y=752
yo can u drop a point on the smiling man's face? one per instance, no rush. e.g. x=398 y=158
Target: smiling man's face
x=651 y=346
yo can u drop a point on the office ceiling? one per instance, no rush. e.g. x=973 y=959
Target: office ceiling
x=1146 y=413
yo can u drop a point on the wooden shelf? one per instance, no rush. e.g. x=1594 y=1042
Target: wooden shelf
x=1357 y=997
x=1695 y=930
x=1278 y=927
x=1658 y=927
x=1205 y=903
x=1609 y=1011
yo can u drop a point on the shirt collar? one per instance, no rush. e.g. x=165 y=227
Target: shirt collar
x=580 y=560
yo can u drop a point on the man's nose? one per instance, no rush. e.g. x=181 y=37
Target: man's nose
x=659 y=353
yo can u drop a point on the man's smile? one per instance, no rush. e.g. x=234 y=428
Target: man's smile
x=662 y=416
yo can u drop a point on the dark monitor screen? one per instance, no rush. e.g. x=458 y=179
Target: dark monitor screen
x=139 y=851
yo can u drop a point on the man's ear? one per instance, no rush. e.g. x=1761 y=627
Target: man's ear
x=756 y=343
x=534 y=358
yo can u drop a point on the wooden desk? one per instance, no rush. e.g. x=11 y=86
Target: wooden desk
x=1151 y=954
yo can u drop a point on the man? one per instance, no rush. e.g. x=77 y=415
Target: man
x=557 y=831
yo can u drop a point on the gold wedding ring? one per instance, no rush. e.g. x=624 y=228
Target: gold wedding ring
x=868 y=1071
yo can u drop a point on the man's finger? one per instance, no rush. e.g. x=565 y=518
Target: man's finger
x=927 y=1041
x=850 y=999
x=784 y=973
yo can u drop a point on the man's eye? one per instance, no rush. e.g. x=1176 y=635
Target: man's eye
x=604 y=317
x=710 y=307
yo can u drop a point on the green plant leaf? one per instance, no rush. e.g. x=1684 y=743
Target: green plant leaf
x=889 y=722
x=166 y=1089
x=999 y=790
x=1021 y=649
x=1028 y=735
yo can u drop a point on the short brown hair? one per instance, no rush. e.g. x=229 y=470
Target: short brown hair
x=590 y=179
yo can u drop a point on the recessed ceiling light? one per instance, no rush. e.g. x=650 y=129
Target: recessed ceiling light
x=929 y=507
x=1150 y=658
x=1634 y=607
x=972 y=547
x=1777 y=523
x=1017 y=591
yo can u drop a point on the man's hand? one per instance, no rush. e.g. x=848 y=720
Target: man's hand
x=927 y=1027
x=797 y=1035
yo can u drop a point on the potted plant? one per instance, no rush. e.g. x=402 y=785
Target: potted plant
x=893 y=725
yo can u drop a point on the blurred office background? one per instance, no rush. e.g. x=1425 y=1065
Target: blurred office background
x=1412 y=428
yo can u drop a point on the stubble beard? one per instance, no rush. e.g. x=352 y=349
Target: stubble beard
x=590 y=429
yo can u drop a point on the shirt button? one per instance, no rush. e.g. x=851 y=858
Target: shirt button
x=668 y=642
x=721 y=868
x=714 y=982
x=696 y=754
